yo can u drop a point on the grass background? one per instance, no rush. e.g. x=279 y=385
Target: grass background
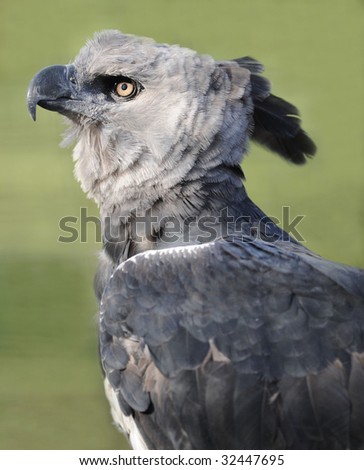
x=51 y=392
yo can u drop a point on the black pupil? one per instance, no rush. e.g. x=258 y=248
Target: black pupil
x=124 y=86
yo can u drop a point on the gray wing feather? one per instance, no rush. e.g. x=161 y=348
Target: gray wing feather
x=272 y=319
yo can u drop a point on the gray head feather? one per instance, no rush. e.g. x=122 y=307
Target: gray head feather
x=131 y=153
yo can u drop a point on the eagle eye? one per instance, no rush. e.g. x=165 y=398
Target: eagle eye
x=126 y=88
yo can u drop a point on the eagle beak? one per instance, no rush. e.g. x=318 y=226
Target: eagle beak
x=51 y=88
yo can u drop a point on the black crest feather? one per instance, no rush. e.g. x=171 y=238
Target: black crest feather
x=277 y=124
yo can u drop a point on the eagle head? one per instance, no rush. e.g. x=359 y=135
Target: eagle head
x=143 y=114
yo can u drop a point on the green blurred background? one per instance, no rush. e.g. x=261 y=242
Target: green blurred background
x=51 y=393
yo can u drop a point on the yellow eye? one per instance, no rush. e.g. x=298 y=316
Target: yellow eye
x=125 y=89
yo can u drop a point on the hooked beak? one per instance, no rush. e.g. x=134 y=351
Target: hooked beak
x=52 y=88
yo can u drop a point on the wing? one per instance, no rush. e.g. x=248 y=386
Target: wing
x=236 y=344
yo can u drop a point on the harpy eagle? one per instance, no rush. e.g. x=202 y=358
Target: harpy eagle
x=217 y=330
